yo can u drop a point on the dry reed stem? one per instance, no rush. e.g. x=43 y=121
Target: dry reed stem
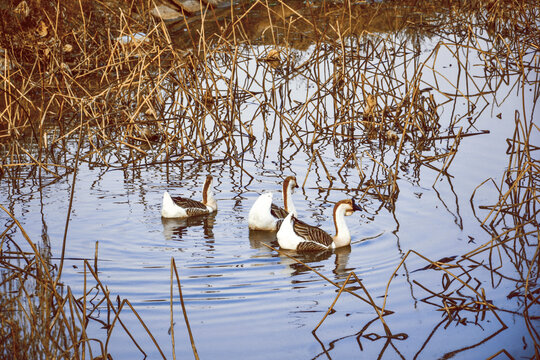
x=380 y=313
x=173 y=266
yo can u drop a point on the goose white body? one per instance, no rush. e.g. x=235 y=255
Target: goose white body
x=179 y=207
x=287 y=237
x=260 y=216
x=296 y=235
x=264 y=215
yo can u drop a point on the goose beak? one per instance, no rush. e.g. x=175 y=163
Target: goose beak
x=356 y=207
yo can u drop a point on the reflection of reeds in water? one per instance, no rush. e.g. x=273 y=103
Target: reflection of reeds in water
x=131 y=101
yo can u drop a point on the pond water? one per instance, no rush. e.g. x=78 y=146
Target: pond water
x=245 y=300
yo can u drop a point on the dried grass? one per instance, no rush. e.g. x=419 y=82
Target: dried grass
x=135 y=100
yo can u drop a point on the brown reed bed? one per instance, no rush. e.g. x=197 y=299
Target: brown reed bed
x=42 y=318
x=140 y=92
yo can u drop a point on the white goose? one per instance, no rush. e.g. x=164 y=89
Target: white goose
x=180 y=207
x=264 y=215
x=297 y=235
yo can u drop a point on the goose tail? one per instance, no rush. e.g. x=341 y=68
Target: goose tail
x=167 y=204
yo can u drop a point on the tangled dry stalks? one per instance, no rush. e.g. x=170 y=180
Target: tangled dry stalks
x=140 y=92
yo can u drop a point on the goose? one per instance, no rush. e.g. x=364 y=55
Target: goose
x=265 y=215
x=296 y=235
x=180 y=207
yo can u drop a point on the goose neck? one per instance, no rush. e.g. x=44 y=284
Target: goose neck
x=208 y=197
x=343 y=236
x=287 y=201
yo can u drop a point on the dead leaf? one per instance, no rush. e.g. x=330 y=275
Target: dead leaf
x=42 y=29
x=22 y=9
x=273 y=55
x=150 y=112
x=272 y=58
x=371 y=102
x=191 y=6
x=165 y=12
x=391 y=136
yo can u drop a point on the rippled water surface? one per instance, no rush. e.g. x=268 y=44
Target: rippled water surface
x=246 y=300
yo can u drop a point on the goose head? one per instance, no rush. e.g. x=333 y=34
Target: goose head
x=289 y=184
x=349 y=206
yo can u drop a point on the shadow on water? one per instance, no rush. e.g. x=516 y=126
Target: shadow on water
x=264 y=241
x=177 y=229
x=257 y=239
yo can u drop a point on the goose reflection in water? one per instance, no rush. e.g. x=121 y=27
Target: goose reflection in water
x=258 y=238
x=176 y=228
x=340 y=256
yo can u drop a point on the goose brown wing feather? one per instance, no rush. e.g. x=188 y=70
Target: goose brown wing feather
x=188 y=203
x=196 y=211
x=278 y=212
x=312 y=234
x=310 y=246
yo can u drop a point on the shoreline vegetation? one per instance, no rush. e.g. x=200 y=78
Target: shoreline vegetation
x=97 y=82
